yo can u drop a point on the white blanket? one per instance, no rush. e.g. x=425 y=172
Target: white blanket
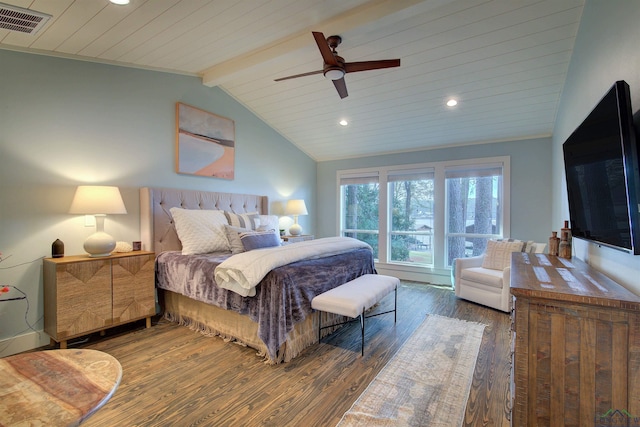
x=242 y=272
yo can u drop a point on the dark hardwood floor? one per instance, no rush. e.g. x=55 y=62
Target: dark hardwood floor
x=176 y=377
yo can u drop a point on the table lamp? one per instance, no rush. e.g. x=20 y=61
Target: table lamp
x=295 y=208
x=99 y=201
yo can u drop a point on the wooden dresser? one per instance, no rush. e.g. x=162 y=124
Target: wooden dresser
x=84 y=295
x=576 y=358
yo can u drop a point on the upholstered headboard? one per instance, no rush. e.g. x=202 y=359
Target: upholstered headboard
x=156 y=224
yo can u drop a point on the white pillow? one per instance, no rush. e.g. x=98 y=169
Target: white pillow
x=497 y=256
x=538 y=248
x=250 y=220
x=200 y=231
x=268 y=222
x=530 y=246
x=233 y=235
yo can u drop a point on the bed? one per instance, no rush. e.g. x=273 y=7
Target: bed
x=278 y=320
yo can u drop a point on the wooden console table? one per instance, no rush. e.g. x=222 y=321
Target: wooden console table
x=577 y=344
x=56 y=387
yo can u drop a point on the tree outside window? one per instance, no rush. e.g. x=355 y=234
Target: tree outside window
x=474 y=199
x=433 y=213
x=411 y=235
x=360 y=213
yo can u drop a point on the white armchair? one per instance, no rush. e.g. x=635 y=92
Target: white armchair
x=485 y=279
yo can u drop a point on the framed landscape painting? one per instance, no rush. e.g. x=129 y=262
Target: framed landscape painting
x=205 y=143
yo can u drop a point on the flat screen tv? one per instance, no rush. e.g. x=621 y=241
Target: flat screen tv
x=603 y=178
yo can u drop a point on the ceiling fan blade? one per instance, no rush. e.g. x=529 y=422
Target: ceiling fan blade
x=325 y=51
x=341 y=87
x=352 y=67
x=310 y=73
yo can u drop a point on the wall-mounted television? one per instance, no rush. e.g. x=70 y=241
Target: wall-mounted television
x=602 y=173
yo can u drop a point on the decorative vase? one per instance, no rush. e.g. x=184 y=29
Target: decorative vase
x=554 y=244
x=57 y=249
x=567 y=230
x=564 y=250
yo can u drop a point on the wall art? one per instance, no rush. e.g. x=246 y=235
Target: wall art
x=205 y=143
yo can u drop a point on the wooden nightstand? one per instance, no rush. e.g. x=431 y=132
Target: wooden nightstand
x=84 y=295
x=300 y=238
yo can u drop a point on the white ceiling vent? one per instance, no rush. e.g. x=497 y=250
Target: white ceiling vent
x=27 y=21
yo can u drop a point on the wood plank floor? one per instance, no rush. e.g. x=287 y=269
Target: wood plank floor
x=176 y=377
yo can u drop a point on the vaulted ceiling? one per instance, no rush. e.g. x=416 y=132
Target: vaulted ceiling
x=505 y=61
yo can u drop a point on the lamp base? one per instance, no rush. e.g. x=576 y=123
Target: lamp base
x=295 y=230
x=99 y=244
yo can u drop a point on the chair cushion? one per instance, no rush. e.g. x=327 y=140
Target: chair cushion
x=482 y=275
x=497 y=256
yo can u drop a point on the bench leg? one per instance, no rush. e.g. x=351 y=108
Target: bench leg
x=362 y=327
x=395 y=306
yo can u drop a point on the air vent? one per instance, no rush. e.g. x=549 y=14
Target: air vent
x=27 y=21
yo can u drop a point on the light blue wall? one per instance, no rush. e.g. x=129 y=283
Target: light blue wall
x=606 y=50
x=65 y=123
x=530 y=182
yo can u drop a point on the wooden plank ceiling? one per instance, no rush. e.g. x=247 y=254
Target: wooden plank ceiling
x=505 y=62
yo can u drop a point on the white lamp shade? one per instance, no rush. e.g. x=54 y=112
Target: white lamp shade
x=296 y=207
x=99 y=201
x=96 y=199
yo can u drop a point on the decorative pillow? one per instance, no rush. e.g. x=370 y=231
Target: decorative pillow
x=259 y=239
x=250 y=221
x=538 y=248
x=529 y=246
x=233 y=235
x=268 y=222
x=497 y=256
x=200 y=231
x=509 y=240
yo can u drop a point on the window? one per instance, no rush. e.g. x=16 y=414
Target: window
x=360 y=200
x=419 y=217
x=474 y=206
x=411 y=212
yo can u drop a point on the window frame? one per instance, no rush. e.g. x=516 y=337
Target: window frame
x=474 y=171
x=409 y=271
x=396 y=175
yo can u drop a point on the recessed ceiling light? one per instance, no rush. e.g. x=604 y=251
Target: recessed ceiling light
x=452 y=103
x=343 y=122
x=120 y=2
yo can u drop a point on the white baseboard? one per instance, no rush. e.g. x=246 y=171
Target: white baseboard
x=439 y=277
x=21 y=343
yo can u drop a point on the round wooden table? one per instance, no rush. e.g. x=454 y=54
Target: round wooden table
x=56 y=387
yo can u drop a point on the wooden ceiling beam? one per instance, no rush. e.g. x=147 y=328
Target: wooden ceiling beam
x=356 y=17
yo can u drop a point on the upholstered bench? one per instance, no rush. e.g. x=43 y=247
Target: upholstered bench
x=355 y=297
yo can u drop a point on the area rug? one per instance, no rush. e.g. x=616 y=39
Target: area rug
x=427 y=381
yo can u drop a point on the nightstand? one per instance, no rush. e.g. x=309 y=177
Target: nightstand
x=300 y=238
x=84 y=295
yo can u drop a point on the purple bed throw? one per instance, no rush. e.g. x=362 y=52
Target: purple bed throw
x=283 y=297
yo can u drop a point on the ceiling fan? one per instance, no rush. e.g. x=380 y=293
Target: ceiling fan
x=334 y=66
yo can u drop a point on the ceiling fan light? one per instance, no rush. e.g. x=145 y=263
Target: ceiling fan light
x=334 y=73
